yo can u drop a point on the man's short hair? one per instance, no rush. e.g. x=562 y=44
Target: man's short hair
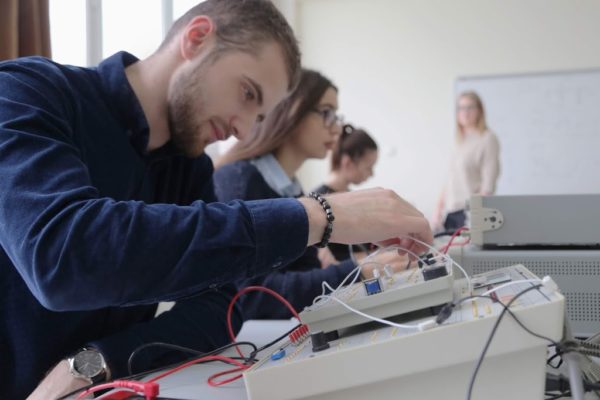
x=245 y=25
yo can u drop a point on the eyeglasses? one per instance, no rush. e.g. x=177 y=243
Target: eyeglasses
x=330 y=117
x=467 y=108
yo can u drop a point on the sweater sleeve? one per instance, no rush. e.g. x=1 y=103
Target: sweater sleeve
x=198 y=322
x=300 y=281
x=490 y=168
x=299 y=287
x=67 y=241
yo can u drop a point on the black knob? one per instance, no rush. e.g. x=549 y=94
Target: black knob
x=319 y=341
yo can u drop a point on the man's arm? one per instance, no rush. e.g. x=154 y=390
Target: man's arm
x=299 y=283
x=379 y=215
x=371 y=215
x=66 y=239
x=198 y=322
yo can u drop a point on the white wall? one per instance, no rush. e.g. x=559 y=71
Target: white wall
x=395 y=62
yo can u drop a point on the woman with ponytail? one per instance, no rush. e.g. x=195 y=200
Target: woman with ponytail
x=352 y=162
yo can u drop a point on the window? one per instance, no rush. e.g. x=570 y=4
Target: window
x=181 y=6
x=132 y=25
x=67 y=31
x=85 y=32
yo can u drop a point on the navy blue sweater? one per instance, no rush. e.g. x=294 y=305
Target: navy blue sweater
x=300 y=281
x=94 y=231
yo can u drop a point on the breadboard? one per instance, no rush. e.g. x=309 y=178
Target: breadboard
x=407 y=291
x=392 y=363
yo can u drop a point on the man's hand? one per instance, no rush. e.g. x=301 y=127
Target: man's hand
x=370 y=216
x=326 y=257
x=437 y=221
x=57 y=383
x=391 y=257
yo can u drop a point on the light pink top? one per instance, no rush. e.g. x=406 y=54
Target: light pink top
x=475 y=168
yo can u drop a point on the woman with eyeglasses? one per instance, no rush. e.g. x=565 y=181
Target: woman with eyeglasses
x=475 y=164
x=264 y=165
x=352 y=162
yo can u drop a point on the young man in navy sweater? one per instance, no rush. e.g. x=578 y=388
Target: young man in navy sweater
x=106 y=198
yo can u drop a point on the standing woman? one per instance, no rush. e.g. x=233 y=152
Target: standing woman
x=475 y=164
x=352 y=162
x=264 y=165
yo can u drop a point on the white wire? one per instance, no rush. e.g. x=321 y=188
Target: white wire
x=442 y=256
x=383 y=321
x=468 y=279
x=339 y=289
x=510 y=283
x=470 y=285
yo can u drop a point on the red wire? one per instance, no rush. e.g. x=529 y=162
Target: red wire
x=195 y=361
x=255 y=289
x=454 y=235
x=212 y=382
x=466 y=242
x=149 y=389
x=211 y=379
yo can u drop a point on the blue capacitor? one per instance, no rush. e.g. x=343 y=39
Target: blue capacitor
x=278 y=354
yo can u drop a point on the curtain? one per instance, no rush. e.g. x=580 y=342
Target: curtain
x=24 y=28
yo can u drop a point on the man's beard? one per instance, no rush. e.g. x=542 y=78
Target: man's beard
x=184 y=108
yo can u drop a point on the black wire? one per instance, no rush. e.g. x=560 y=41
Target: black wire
x=592 y=386
x=494 y=329
x=508 y=310
x=549 y=361
x=183 y=350
x=443 y=233
x=557 y=396
x=256 y=351
x=558 y=346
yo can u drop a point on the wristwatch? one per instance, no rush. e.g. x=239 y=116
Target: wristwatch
x=89 y=364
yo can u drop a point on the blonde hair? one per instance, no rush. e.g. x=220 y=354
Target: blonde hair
x=481 y=124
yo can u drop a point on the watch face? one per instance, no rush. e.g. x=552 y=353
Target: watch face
x=88 y=363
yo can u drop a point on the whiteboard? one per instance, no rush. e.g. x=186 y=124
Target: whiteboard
x=548 y=125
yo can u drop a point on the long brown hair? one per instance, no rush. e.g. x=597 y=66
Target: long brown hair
x=481 y=124
x=270 y=134
x=352 y=142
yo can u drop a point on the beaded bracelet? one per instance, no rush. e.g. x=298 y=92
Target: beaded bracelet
x=330 y=218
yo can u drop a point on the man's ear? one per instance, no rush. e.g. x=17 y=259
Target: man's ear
x=197 y=36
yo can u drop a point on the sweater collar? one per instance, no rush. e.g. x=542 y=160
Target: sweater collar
x=275 y=176
x=126 y=106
